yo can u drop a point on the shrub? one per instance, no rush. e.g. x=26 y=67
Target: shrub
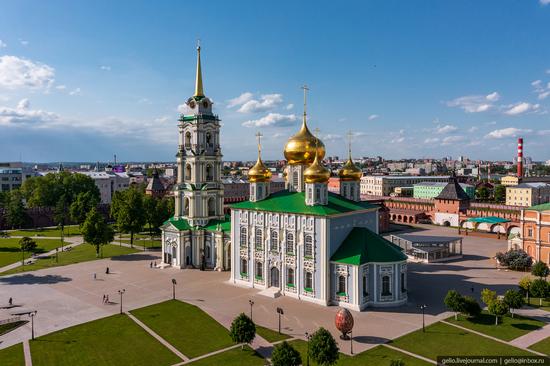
x=285 y=355
x=525 y=284
x=488 y=296
x=497 y=308
x=540 y=269
x=323 y=348
x=242 y=329
x=470 y=306
x=514 y=300
x=539 y=288
x=454 y=301
x=517 y=260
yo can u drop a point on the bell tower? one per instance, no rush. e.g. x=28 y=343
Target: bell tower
x=199 y=190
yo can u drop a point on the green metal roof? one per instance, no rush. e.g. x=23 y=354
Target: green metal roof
x=364 y=246
x=294 y=202
x=543 y=207
x=213 y=225
x=488 y=220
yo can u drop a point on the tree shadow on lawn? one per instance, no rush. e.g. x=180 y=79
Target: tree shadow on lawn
x=30 y=279
x=370 y=340
x=135 y=257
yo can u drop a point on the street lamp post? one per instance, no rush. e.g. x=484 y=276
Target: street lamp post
x=121 y=292
x=351 y=342
x=32 y=315
x=280 y=312
x=423 y=308
x=174 y=288
x=251 y=305
x=56 y=256
x=307 y=354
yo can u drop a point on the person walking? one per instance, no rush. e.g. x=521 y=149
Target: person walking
x=106 y=299
x=95 y=276
x=151 y=265
x=107 y=270
x=103 y=298
x=10 y=301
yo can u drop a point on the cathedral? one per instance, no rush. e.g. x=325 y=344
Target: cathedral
x=304 y=242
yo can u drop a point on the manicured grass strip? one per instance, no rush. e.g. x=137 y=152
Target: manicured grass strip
x=379 y=356
x=48 y=232
x=10 y=249
x=5 y=328
x=508 y=328
x=536 y=303
x=233 y=357
x=442 y=339
x=115 y=340
x=141 y=242
x=186 y=327
x=542 y=346
x=12 y=356
x=81 y=253
x=270 y=335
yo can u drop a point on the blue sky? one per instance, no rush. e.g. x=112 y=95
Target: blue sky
x=81 y=81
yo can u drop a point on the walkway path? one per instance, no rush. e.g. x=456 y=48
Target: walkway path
x=410 y=353
x=71 y=242
x=27 y=353
x=157 y=337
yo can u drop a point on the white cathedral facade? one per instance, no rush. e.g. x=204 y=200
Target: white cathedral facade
x=303 y=242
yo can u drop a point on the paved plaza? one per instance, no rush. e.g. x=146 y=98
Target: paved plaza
x=69 y=295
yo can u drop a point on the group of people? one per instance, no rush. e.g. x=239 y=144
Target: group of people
x=153 y=264
x=106 y=299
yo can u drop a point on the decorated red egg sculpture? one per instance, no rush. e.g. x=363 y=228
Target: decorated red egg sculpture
x=344 y=322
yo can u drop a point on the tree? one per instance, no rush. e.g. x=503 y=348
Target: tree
x=525 y=286
x=83 y=203
x=45 y=191
x=540 y=269
x=454 y=301
x=26 y=244
x=96 y=231
x=482 y=193
x=323 y=348
x=500 y=193
x=539 y=288
x=285 y=355
x=61 y=213
x=243 y=329
x=470 y=306
x=517 y=260
x=488 y=296
x=498 y=308
x=127 y=209
x=16 y=215
x=156 y=212
x=397 y=363
x=514 y=300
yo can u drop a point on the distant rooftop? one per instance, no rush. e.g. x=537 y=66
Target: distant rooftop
x=532 y=185
x=408 y=176
x=440 y=184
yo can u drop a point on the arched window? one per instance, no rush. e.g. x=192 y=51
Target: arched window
x=244 y=237
x=310 y=193
x=290 y=276
x=259 y=269
x=208 y=139
x=188 y=140
x=209 y=173
x=308 y=247
x=341 y=285
x=211 y=206
x=188 y=172
x=365 y=285
x=290 y=243
x=403 y=284
x=244 y=266
x=259 y=239
x=186 y=206
x=386 y=289
x=318 y=194
x=274 y=241
x=351 y=191
x=308 y=281
x=207 y=252
x=260 y=193
x=295 y=179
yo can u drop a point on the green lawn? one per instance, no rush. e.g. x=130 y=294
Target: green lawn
x=186 y=327
x=142 y=242
x=5 y=328
x=81 y=253
x=115 y=340
x=233 y=357
x=10 y=249
x=49 y=232
x=542 y=346
x=508 y=328
x=535 y=302
x=12 y=356
x=270 y=335
x=379 y=356
x=442 y=339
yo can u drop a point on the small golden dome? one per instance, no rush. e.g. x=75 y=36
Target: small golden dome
x=301 y=148
x=350 y=171
x=259 y=172
x=316 y=172
x=285 y=173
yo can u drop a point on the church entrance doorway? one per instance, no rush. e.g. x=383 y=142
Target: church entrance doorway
x=274 y=277
x=174 y=256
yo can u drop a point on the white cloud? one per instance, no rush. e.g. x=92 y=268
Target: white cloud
x=61 y=87
x=372 y=117
x=144 y=101
x=473 y=129
x=266 y=102
x=240 y=100
x=24 y=42
x=105 y=68
x=475 y=103
x=397 y=140
x=506 y=132
x=520 y=108
x=3 y=44
x=547 y=71
x=18 y=73
x=449 y=140
x=445 y=129
x=544 y=2
x=536 y=84
x=544 y=95
x=76 y=91
x=431 y=140
x=272 y=120
x=182 y=108
x=543 y=132
x=330 y=137
x=22 y=114
x=162 y=119
x=289 y=106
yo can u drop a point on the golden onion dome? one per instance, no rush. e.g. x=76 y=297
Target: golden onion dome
x=316 y=172
x=301 y=148
x=259 y=172
x=350 y=171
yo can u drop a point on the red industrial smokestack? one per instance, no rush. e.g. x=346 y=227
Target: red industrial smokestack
x=520 y=157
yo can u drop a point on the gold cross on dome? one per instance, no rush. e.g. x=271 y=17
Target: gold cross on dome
x=259 y=138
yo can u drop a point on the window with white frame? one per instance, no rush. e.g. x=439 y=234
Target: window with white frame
x=341 y=285
x=244 y=237
x=274 y=241
x=308 y=281
x=386 y=285
x=290 y=243
x=290 y=277
x=308 y=246
x=244 y=266
x=259 y=270
x=258 y=240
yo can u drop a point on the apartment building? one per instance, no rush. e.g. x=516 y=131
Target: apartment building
x=528 y=194
x=383 y=185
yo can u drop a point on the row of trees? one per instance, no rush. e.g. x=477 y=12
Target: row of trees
x=497 y=194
